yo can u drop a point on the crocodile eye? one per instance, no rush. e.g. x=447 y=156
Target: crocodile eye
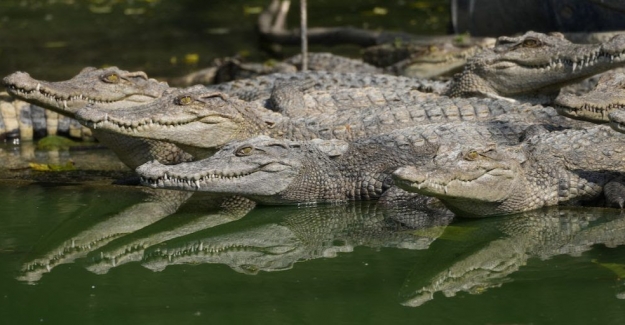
x=471 y=155
x=111 y=78
x=183 y=100
x=531 y=42
x=244 y=151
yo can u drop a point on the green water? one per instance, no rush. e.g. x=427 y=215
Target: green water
x=353 y=273
x=54 y=39
x=351 y=264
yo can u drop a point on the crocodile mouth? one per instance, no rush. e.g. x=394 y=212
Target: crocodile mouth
x=206 y=181
x=440 y=186
x=596 y=57
x=589 y=112
x=107 y=122
x=41 y=92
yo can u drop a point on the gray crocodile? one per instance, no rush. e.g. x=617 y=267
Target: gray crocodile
x=229 y=69
x=567 y=167
x=201 y=120
x=261 y=87
x=534 y=66
x=617 y=121
x=426 y=59
x=110 y=88
x=493 y=249
x=273 y=171
x=596 y=105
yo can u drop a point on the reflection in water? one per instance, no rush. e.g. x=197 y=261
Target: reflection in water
x=500 y=246
x=78 y=236
x=469 y=255
x=130 y=248
x=275 y=241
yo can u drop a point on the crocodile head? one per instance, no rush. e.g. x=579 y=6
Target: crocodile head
x=442 y=59
x=617 y=120
x=108 y=87
x=594 y=106
x=266 y=247
x=535 y=63
x=194 y=118
x=261 y=168
x=474 y=182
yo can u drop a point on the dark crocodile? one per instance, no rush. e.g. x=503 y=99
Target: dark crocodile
x=272 y=171
x=557 y=168
x=534 y=66
x=201 y=120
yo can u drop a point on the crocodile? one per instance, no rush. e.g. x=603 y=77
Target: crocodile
x=228 y=69
x=200 y=120
x=596 y=105
x=495 y=248
x=261 y=87
x=275 y=171
x=419 y=59
x=550 y=168
x=534 y=66
x=110 y=88
x=529 y=68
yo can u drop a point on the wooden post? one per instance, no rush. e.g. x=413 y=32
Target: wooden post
x=304 y=32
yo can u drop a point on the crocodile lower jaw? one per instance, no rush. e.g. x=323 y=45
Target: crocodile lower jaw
x=192 y=183
x=441 y=187
x=589 y=112
x=129 y=128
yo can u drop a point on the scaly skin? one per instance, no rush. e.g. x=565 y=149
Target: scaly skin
x=229 y=69
x=273 y=171
x=261 y=87
x=201 y=120
x=534 y=63
x=568 y=167
x=595 y=106
x=419 y=59
x=109 y=88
